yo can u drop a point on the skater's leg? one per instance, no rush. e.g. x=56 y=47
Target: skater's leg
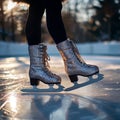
x=54 y=20
x=38 y=57
x=74 y=64
x=33 y=25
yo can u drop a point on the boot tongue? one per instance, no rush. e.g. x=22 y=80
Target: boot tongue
x=42 y=46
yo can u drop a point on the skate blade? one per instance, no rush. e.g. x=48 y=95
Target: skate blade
x=51 y=88
x=76 y=85
x=96 y=77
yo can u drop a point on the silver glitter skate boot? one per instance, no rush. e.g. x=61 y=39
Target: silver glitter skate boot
x=74 y=64
x=39 y=66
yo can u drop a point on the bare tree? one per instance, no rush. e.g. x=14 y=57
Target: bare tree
x=2 y=21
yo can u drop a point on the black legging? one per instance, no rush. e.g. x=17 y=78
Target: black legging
x=54 y=21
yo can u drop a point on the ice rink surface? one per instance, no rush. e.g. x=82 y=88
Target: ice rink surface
x=96 y=98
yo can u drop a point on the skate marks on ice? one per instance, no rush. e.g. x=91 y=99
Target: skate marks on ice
x=50 y=88
x=91 y=80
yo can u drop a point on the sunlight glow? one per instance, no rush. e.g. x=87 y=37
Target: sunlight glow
x=11 y=5
x=13 y=103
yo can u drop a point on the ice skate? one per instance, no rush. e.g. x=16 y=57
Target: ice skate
x=39 y=66
x=74 y=64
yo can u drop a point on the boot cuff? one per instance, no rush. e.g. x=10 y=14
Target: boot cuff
x=64 y=45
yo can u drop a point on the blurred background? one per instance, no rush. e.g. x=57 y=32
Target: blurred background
x=94 y=25
x=86 y=21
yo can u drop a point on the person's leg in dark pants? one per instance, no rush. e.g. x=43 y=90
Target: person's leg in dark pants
x=33 y=25
x=74 y=64
x=54 y=20
x=39 y=70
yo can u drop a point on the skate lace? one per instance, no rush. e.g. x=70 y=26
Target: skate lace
x=46 y=59
x=46 y=63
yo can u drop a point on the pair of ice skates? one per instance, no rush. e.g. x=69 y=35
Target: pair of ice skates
x=74 y=64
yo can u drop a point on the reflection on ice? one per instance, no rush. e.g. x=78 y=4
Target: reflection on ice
x=13 y=102
x=54 y=107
